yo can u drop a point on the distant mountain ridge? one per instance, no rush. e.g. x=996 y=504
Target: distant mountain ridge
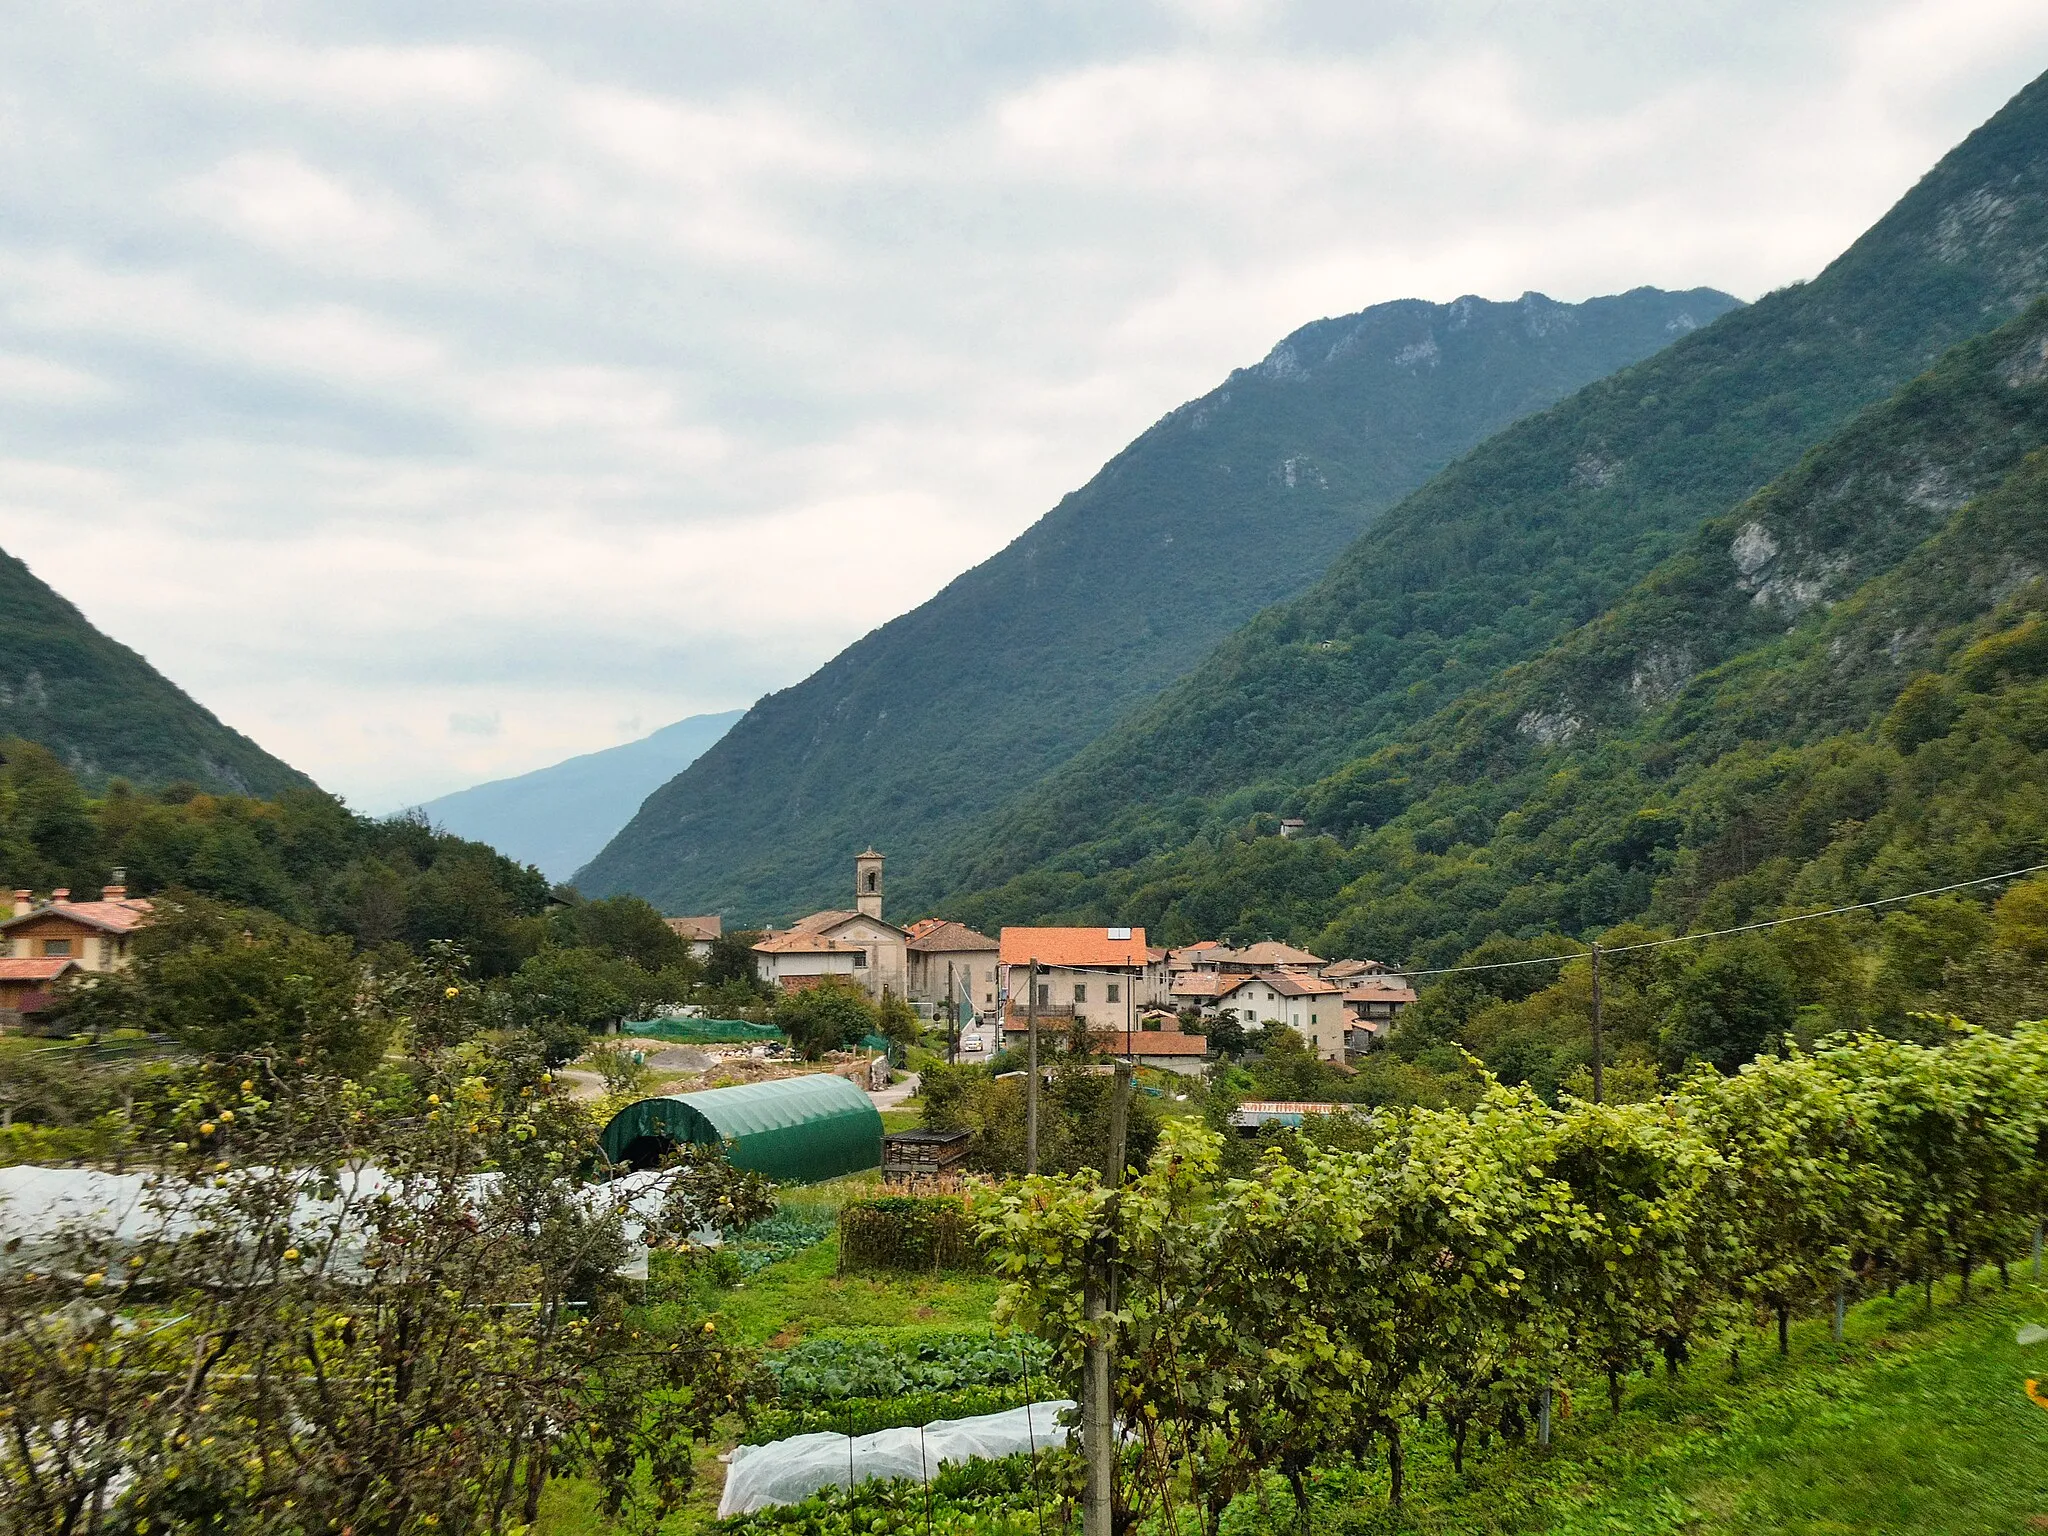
x=557 y=817
x=1539 y=530
x=105 y=711
x=1228 y=503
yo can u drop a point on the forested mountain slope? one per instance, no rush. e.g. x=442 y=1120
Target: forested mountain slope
x=1227 y=504
x=1836 y=691
x=105 y=711
x=1537 y=531
x=556 y=817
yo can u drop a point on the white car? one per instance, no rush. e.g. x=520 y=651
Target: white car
x=973 y=1043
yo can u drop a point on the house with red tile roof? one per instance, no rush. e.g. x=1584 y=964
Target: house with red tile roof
x=1311 y=1007
x=96 y=935
x=943 y=954
x=1101 y=976
x=697 y=932
x=26 y=988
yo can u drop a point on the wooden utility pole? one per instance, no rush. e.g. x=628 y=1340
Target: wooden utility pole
x=1099 y=1300
x=1031 y=1074
x=1598 y=1080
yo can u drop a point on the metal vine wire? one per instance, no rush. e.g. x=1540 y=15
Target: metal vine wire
x=1722 y=933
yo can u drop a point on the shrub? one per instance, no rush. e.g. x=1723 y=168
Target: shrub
x=928 y=1232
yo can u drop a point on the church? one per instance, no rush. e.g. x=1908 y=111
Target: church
x=855 y=945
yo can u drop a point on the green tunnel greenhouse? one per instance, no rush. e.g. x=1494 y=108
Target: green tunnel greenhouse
x=794 y=1129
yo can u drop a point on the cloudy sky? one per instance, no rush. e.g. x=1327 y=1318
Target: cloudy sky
x=436 y=391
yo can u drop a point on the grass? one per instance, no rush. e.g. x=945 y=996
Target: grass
x=1913 y=1424
x=804 y=1293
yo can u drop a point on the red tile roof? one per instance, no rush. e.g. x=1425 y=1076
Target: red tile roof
x=1268 y=953
x=35 y=970
x=938 y=935
x=1198 y=983
x=123 y=916
x=710 y=926
x=1286 y=983
x=803 y=944
x=1074 y=946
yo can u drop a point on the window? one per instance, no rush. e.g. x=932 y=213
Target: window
x=860 y=959
x=56 y=946
x=1045 y=994
x=1114 y=991
x=1080 y=991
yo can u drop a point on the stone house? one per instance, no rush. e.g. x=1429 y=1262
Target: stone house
x=940 y=952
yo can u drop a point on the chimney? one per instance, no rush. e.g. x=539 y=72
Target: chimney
x=24 y=903
x=117 y=888
x=61 y=896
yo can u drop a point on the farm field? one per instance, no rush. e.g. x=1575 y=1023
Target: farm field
x=1915 y=1424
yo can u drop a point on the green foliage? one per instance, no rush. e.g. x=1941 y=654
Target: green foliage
x=1456 y=1265
x=856 y=1363
x=942 y=714
x=1010 y=1497
x=923 y=1232
x=101 y=708
x=832 y=1016
x=302 y=856
x=428 y=1343
x=895 y=1410
x=1073 y=1116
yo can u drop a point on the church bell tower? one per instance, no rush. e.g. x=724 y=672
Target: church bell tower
x=867 y=884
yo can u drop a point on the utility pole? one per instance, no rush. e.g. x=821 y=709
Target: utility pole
x=1098 y=1301
x=1031 y=1074
x=1598 y=1082
x=952 y=1019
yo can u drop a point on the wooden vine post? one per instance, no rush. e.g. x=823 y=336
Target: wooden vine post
x=1031 y=1073
x=1099 y=1300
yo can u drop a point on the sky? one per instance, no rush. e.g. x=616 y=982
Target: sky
x=439 y=391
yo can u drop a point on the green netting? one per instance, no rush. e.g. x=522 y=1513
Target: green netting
x=794 y=1129
x=706 y=1031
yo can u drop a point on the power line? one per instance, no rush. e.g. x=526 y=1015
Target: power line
x=1722 y=933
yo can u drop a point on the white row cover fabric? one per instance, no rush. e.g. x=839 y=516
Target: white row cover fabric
x=788 y=1471
x=38 y=1206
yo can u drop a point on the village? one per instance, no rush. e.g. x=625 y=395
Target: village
x=1149 y=1004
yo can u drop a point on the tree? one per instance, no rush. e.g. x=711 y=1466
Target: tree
x=356 y=1324
x=1735 y=1001
x=898 y=1020
x=566 y=995
x=828 y=1017
x=627 y=927
x=230 y=982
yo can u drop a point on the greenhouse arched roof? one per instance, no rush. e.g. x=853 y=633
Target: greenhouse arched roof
x=793 y=1129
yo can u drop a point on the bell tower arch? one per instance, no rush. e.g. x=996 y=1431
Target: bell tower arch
x=867 y=883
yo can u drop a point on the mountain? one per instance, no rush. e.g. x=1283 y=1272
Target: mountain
x=558 y=817
x=105 y=711
x=1228 y=503
x=1538 y=531
x=1834 y=691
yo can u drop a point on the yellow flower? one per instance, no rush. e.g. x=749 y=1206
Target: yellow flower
x=710 y=1327
x=453 y=992
x=291 y=1255
x=433 y=1098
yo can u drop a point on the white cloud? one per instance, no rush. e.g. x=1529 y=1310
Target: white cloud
x=588 y=368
